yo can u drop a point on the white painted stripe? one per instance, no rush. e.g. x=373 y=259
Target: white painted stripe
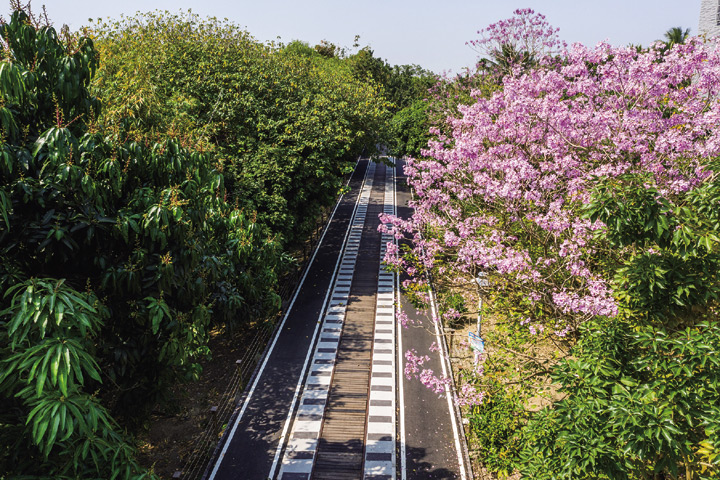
x=400 y=370
x=322 y=368
x=324 y=356
x=381 y=381
x=383 y=374
x=383 y=368
x=301 y=444
x=376 y=427
x=379 y=468
x=298 y=466
x=383 y=411
x=310 y=409
x=383 y=356
x=315 y=394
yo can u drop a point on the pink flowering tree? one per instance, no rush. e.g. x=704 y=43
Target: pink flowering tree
x=504 y=194
x=507 y=47
x=522 y=41
x=571 y=187
x=527 y=31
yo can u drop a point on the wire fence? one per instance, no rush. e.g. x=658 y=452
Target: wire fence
x=218 y=415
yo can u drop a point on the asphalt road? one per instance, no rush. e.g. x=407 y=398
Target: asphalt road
x=431 y=449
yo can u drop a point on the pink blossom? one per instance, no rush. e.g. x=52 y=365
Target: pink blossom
x=563 y=333
x=413 y=363
x=501 y=191
x=526 y=31
x=451 y=314
x=433 y=382
x=535 y=329
x=468 y=395
x=403 y=319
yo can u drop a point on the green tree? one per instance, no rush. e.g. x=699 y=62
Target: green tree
x=48 y=375
x=676 y=35
x=640 y=391
x=505 y=59
x=328 y=49
x=116 y=259
x=410 y=129
x=284 y=125
x=365 y=65
x=408 y=83
x=639 y=403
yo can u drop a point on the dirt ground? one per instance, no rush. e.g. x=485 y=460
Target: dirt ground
x=171 y=433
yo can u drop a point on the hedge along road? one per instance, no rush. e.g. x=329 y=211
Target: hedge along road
x=256 y=441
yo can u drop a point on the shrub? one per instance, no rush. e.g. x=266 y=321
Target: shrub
x=116 y=256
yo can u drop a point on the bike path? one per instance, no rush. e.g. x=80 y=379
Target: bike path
x=433 y=438
x=249 y=449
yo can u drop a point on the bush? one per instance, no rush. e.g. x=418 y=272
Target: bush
x=637 y=403
x=117 y=256
x=496 y=428
x=282 y=123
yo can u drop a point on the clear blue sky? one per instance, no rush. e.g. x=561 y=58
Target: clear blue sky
x=430 y=34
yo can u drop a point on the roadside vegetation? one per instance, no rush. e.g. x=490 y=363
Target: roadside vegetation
x=584 y=183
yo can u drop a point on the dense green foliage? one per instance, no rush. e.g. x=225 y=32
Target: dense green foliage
x=283 y=124
x=496 y=428
x=117 y=256
x=640 y=391
x=638 y=402
x=52 y=425
x=410 y=128
x=407 y=88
